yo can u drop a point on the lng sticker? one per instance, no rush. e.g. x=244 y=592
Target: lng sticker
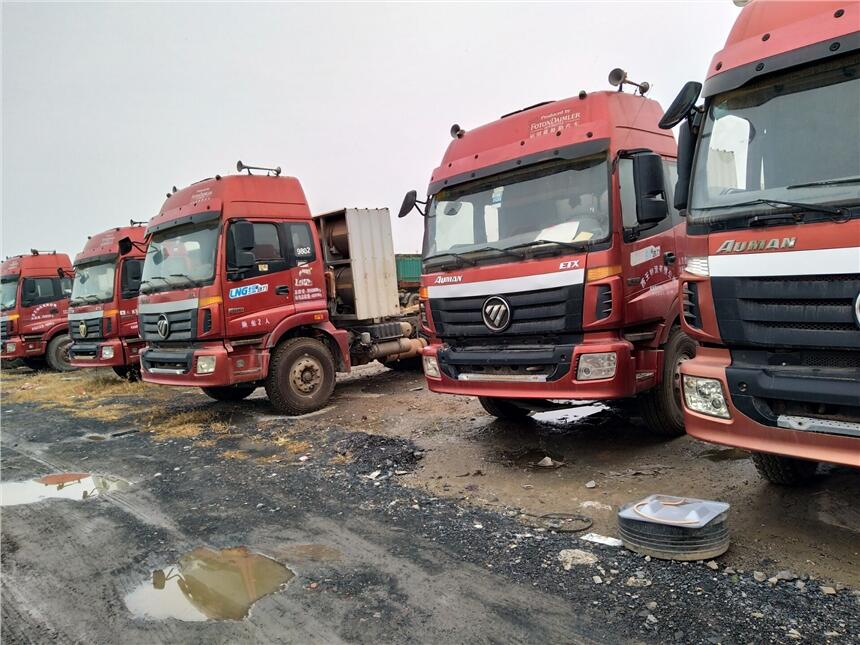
x=248 y=290
x=644 y=255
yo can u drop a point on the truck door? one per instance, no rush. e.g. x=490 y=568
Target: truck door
x=308 y=277
x=650 y=256
x=44 y=303
x=129 y=289
x=256 y=299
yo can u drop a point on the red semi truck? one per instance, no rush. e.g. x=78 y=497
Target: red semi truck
x=103 y=309
x=770 y=181
x=551 y=260
x=241 y=287
x=35 y=298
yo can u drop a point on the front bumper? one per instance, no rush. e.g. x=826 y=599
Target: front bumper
x=505 y=373
x=177 y=365
x=15 y=347
x=83 y=354
x=741 y=431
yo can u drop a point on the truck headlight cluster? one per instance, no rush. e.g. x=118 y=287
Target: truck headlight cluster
x=205 y=364
x=431 y=367
x=705 y=395
x=698 y=265
x=592 y=367
x=107 y=352
x=10 y=347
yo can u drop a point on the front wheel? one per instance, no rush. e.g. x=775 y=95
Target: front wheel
x=301 y=376
x=57 y=354
x=786 y=471
x=230 y=392
x=503 y=408
x=661 y=407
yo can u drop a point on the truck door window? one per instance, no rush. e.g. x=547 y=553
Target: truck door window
x=38 y=291
x=65 y=287
x=128 y=289
x=670 y=168
x=302 y=249
x=268 y=252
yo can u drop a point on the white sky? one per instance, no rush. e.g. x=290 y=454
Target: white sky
x=106 y=106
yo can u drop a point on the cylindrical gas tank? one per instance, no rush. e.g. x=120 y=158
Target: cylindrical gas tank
x=344 y=286
x=338 y=238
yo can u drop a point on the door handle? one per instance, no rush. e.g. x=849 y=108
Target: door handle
x=282 y=290
x=668 y=258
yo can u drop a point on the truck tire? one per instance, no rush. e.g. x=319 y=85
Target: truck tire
x=128 y=373
x=230 y=392
x=503 y=409
x=785 y=471
x=301 y=376
x=57 y=354
x=661 y=407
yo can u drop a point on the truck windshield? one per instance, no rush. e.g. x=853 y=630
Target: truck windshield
x=563 y=202
x=93 y=283
x=8 y=293
x=790 y=137
x=180 y=257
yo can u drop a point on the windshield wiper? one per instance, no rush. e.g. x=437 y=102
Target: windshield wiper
x=185 y=277
x=574 y=246
x=507 y=251
x=815 y=208
x=458 y=256
x=826 y=182
x=94 y=298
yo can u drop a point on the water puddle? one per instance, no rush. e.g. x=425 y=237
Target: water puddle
x=75 y=486
x=724 y=454
x=208 y=584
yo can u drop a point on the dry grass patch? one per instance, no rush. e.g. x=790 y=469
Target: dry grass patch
x=164 y=424
x=294 y=446
x=235 y=454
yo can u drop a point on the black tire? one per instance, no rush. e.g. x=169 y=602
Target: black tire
x=503 y=408
x=301 y=376
x=57 y=354
x=230 y=392
x=661 y=407
x=130 y=373
x=785 y=471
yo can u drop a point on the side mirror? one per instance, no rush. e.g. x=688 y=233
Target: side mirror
x=686 y=150
x=681 y=106
x=60 y=272
x=243 y=241
x=409 y=201
x=125 y=246
x=650 y=186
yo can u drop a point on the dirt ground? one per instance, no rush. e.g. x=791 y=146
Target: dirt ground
x=400 y=515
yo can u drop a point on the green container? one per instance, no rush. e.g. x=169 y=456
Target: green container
x=408 y=269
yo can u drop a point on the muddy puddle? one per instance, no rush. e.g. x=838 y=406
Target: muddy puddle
x=208 y=584
x=74 y=486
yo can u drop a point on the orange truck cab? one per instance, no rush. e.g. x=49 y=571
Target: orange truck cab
x=242 y=288
x=35 y=298
x=551 y=257
x=769 y=179
x=103 y=309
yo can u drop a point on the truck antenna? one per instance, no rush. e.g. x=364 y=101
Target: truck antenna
x=270 y=172
x=618 y=77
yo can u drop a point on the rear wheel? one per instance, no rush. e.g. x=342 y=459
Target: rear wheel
x=786 y=471
x=301 y=376
x=503 y=408
x=661 y=406
x=230 y=392
x=57 y=354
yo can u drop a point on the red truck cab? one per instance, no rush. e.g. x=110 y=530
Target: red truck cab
x=35 y=298
x=770 y=183
x=103 y=308
x=551 y=260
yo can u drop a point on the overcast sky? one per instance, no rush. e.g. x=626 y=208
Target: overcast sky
x=106 y=106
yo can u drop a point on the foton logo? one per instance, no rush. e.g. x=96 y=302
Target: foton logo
x=448 y=279
x=730 y=246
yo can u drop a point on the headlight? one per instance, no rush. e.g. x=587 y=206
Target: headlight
x=705 y=395
x=431 y=367
x=596 y=366
x=10 y=347
x=107 y=352
x=205 y=364
x=698 y=266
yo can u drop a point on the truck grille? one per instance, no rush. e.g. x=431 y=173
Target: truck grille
x=788 y=312
x=4 y=328
x=544 y=313
x=94 y=329
x=182 y=325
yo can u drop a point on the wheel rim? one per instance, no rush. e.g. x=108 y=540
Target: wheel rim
x=64 y=353
x=306 y=375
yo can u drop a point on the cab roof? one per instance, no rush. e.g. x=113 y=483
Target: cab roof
x=243 y=194
x=105 y=245
x=770 y=35
x=40 y=265
x=607 y=120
